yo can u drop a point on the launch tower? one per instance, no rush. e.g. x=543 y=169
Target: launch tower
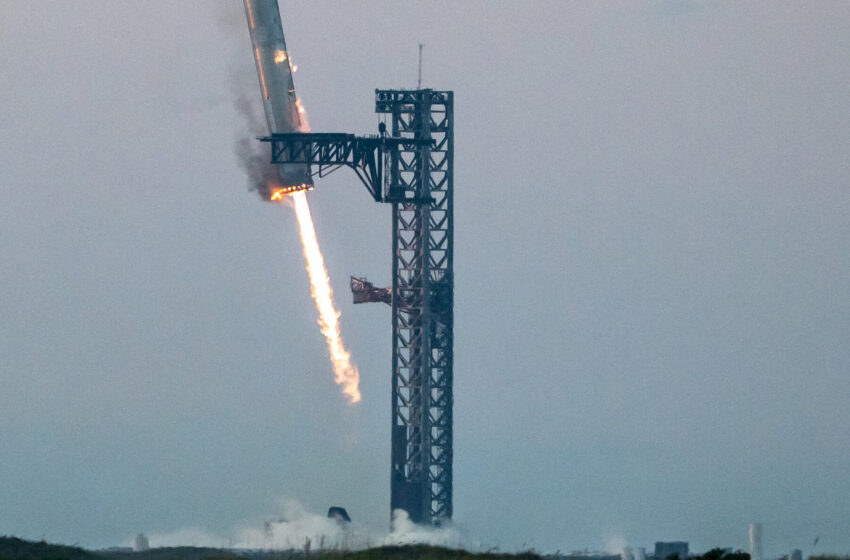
x=420 y=189
x=410 y=167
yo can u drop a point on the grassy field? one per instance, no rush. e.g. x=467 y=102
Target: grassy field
x=17 y=549
x=12 y=548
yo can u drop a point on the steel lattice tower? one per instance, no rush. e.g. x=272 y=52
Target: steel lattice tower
x=411 y=168
x=420 y=186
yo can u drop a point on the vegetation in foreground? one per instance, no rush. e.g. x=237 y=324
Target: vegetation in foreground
x=12 y=548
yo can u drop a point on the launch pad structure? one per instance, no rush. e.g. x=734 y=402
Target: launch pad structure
x=410 y=167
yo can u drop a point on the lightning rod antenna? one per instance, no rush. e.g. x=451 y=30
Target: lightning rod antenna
x=419 y=85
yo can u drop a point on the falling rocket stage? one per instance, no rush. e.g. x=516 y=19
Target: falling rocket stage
x=409 y=165
x=284 y=113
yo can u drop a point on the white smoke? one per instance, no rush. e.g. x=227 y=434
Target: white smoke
x=299 y=529
x=295 y=528
x=405 y=531
x=614 y=543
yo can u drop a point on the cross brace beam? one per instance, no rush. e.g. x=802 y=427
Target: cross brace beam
x=364 y=154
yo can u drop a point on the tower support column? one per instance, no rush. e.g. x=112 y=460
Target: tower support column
x=420 y=188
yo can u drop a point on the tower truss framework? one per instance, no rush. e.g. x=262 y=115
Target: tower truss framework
x=420 y=186
x=412 y=169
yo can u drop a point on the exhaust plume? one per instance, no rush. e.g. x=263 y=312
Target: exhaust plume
x=264 y=179
x=345 y=374
x=285 y=113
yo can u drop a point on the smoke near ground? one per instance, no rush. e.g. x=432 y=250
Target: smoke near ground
x=296 y=528
x=405 y=531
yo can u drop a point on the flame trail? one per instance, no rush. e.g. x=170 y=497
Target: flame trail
x=345 y=373
x=285 y=114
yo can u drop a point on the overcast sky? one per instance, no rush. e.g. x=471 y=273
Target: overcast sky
x=652 y=271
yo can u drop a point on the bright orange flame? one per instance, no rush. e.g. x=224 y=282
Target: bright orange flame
x=280 y=193
x=303 y=124
x=345 y=373
x=279 y=56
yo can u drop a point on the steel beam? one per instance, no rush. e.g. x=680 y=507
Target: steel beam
x=364 y=154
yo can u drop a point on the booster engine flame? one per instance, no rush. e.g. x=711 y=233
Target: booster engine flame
x=345 y=373
x=284 y=113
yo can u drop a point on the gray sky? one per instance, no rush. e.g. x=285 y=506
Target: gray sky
x=652 y=260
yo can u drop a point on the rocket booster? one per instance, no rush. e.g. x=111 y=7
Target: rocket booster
x=277 y=88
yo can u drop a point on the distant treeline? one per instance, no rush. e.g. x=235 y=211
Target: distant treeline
x=12 y=548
